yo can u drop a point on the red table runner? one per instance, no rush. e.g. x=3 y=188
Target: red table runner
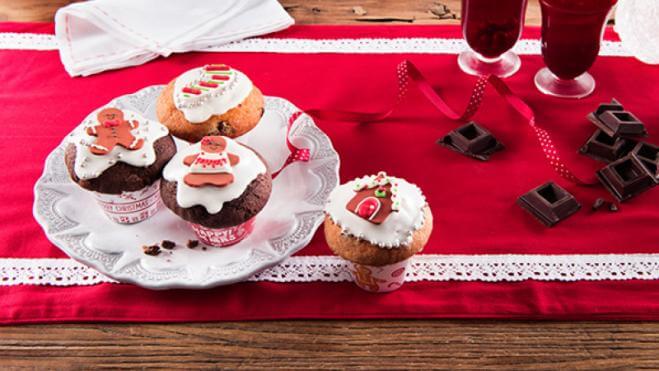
x=592 y=266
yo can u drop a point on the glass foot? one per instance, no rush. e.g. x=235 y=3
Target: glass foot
x=580 y=87
x=474 y=64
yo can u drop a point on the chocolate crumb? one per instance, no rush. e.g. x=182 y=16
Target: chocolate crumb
x=192 y=244
x=613 y=207
x=167 y=244
x=203 y=248
x=598 y=204
x=153 y=250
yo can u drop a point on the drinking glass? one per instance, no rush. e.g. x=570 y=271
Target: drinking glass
x=491 y=28
x=571 y=34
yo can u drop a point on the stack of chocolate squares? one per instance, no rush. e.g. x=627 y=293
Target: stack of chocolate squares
x=633 y=165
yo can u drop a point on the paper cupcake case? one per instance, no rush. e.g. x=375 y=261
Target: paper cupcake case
x=131 y=207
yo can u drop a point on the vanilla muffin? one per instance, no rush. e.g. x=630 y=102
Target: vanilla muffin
x=377 y=220
x=211 y=100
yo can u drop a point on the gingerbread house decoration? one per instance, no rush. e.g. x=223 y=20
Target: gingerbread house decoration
x=376 y=197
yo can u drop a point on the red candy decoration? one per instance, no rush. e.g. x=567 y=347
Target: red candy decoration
x=208 y=84
x=368 y=207
x=216 y=67
x=191 y=91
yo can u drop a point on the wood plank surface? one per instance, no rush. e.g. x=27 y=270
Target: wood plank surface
x=330 y=344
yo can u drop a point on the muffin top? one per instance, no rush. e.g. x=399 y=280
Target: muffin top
x=212 y=172
x=380 y=209
x=110 y=135
x=210 y=90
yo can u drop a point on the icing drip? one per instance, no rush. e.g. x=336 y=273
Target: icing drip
x=210 y=90
x=398 y=227
x=210 y=197
x=89 y=165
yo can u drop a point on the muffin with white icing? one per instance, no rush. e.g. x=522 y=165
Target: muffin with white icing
x=377 y=222
x=211 y=100
x=119 y=156
x=219 y=186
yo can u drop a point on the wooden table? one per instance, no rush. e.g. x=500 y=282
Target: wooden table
x=330 y=344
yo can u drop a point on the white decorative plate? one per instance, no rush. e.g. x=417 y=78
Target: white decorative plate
x=73 y=221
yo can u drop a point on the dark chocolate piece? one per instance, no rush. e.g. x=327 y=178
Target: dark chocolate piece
x=549 y=203
x=602 y=147
x=598 y=204
x=192 y=244
x=626 y=177
x=472 y=140
x=612 y=119
x=167 y=244
x=153 y=250
x=649 y=156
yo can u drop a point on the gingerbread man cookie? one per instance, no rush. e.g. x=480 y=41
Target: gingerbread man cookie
x=212 y=166
x=112 y=130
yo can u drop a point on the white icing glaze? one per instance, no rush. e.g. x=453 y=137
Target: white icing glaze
x=88 y=165
x=396 y=230
x=211 y=197
x=211 y=101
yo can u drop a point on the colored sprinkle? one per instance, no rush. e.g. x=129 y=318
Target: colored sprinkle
x=208 y=84
x=220 y=77
x=191 y=90
x=217 y=67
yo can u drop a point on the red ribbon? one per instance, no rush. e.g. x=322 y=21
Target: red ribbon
x=407 y=71
x=297 y=154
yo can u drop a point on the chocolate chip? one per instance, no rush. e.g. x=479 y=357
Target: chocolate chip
x=598 y=204
x=167 y=244
x=192 y=244
x=153 y=250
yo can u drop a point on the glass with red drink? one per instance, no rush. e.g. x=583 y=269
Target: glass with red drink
x=571 y=35
x=491 y=28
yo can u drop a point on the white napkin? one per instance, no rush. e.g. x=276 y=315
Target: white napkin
x=95 y=36
x=637 y=23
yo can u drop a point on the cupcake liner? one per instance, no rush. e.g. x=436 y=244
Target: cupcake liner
x=223 y=237
x=131 y=207
x=380 y=279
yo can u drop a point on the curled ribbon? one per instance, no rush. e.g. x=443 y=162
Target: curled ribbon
x=407 y=72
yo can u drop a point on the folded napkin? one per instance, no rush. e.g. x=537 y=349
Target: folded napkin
x=100 y=35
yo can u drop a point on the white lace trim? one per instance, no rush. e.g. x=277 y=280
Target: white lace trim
x=412 y=45
x=488 y=268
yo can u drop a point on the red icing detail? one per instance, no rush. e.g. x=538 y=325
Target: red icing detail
x=368 y=207
x=110 y=123
x=191 y=91
x=220 y=77
x=217 y=67
x=208 y=84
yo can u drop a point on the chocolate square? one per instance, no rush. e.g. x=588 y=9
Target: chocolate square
x=549 y=203
x=472 y=140
x=615 y=121
x=649 y=156
x=626 y=177
x=613 y=106
x=602 y=147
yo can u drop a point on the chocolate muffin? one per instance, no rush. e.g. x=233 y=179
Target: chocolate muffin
x=219 y=186
x=211 y=100
x=119 y=156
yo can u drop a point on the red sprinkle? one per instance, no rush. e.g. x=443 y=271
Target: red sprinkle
x=208 y=84
x=220 y=77
x=216 y=67
x=191 y=91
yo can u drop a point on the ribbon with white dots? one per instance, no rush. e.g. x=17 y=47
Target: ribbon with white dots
x=407 y=72
x=296 y=154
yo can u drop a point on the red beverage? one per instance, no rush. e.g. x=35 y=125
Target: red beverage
x=571 y=34
x=492 y=27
